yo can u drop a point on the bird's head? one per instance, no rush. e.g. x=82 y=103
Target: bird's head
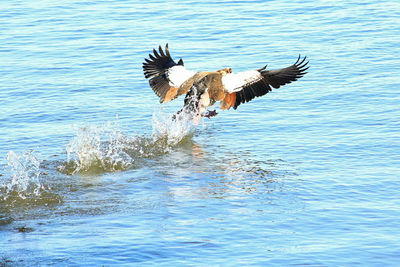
x=225 y=71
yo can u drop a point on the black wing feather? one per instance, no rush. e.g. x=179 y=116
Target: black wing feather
x=277 y=78
x=156 y=69
x=274 y=78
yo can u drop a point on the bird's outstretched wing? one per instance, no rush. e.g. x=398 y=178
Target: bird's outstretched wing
x=244 y=86
x=165 y=75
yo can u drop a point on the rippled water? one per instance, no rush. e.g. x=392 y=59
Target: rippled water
x=94 y=172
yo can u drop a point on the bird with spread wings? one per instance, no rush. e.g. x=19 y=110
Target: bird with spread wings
x=169 y=80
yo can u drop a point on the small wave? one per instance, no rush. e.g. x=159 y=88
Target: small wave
x=23 y=176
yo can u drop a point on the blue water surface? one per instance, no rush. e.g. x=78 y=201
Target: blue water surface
x=306 y=175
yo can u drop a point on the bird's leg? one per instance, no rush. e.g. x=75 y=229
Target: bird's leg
x=190 y=107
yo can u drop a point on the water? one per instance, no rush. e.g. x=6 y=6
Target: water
x=93 y=171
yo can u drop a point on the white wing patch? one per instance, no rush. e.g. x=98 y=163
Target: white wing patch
x=177 y=75
x=234 y=82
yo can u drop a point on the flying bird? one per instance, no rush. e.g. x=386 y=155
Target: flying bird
x=169 y=80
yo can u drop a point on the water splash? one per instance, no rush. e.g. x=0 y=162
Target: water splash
x=173 y=128
x=24 y=170
x=105 y=148
x=97 y=148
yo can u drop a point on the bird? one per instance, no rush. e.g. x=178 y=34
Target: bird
x=203 y=89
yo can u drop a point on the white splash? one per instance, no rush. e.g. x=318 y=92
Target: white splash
x=105 y=148
x=97 y=147
x=24 y=172
x=172 y=128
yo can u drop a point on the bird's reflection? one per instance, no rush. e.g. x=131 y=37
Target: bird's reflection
x=220 y=173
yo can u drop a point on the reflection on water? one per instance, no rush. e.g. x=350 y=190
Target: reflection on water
x=219 y=173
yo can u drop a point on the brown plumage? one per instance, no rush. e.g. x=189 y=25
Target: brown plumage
x=170 y=80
